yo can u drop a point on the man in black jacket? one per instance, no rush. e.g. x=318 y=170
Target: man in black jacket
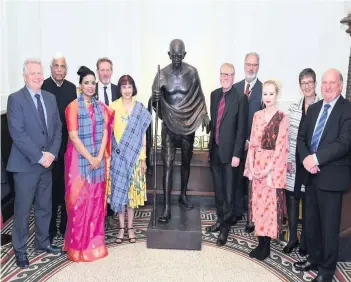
x=251 y=86
x=65 y=92
x=323 y=144
x=229 y=111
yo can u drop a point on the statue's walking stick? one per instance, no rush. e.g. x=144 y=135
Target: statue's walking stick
x=157 y=93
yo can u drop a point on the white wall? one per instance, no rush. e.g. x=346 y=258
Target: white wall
x=289 y=36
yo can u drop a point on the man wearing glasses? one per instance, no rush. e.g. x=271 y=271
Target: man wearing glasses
x=229 y=111
x=251 y=87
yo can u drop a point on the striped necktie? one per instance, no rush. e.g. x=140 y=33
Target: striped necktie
x=319 y=129
x=247 y=91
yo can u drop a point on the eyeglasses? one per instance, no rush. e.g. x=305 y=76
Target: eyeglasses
x=251 y=65
x=226 y=74
x=309 y=84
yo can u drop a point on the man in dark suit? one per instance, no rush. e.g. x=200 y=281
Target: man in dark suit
x=35 y=128
x=323 y=144
x=229 y=111
x=106 y=92
x=251 y=86
x=65 y=92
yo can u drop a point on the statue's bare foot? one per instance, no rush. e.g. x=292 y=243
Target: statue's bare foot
x=166 y=216
x=184 y=202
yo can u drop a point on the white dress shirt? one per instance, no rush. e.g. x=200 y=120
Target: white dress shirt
x=101 y=92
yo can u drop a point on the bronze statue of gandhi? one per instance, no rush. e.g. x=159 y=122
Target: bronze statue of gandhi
x=182 y=109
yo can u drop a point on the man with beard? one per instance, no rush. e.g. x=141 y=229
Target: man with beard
x=65 y=92
x=251 y=86
x=107 y=92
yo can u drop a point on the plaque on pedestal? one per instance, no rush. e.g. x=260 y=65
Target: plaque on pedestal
x=183 y=232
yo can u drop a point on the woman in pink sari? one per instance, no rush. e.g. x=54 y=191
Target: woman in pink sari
x=87 y=158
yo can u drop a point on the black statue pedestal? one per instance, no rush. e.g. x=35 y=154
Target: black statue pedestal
x=182 y=232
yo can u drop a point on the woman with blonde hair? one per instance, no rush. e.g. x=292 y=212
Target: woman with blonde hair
x=266 y=167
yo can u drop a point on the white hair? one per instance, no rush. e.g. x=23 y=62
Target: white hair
x=57 y=56
x=30 y=61
x=229 y=65
x=253 y=54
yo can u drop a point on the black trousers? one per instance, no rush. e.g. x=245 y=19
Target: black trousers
x=241 y=188
x=225 y=181
x=58 y=197
x=28 y=187
x=323 y=215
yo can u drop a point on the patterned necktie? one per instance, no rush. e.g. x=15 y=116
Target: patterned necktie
x=41 y=113
x=219 y=116
x=105 y=94
x=247 y=91
x=319 y=129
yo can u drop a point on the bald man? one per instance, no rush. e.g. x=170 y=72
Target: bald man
x=65 y=92
x=323 y=144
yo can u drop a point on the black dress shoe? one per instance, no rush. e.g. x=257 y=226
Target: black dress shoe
x=290 y=246
x=223 y=236
x=323 y=278
x=302 y=252
x=305 y=266
x=50 y=250
x=249 y=228
x=213 y=228
x=22 y=260
x=5 y=239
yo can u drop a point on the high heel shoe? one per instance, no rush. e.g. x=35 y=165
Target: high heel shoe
x=120 y=240
x=131 y=239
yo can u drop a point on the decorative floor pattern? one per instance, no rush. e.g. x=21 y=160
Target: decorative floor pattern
x=43 y=266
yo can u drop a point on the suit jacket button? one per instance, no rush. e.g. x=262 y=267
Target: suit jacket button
x=42 y=132
x=42 y=148
x=118 y=151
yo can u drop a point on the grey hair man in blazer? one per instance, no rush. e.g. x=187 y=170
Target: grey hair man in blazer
x=35 y=128
x=251 y=86
x=323 y=144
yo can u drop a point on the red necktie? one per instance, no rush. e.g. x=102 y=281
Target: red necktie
x=221 y=107
x=247 y=89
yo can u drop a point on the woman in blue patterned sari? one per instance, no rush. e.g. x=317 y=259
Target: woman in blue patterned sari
x=128 y=166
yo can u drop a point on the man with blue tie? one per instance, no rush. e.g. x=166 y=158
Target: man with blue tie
x=35 y=128
x=323 y=144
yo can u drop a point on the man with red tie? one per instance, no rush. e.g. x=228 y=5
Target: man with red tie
x=251 y=86
x=229 y=112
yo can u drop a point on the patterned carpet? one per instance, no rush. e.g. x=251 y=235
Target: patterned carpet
x=43 y=266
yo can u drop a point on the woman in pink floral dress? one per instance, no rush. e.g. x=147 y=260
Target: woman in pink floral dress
x=266 y=167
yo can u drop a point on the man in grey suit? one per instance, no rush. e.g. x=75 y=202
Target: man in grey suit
x=35 y=128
